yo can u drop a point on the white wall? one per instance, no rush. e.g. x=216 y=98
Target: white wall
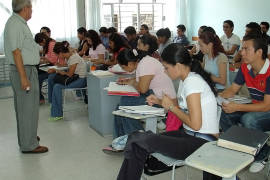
x=214 y=12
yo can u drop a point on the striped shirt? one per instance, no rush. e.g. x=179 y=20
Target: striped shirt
x=258 y=85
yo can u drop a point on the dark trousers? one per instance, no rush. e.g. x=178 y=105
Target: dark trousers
x=42 y=76
x=175 y=144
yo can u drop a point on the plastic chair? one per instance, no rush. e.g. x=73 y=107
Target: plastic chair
x=73 y=90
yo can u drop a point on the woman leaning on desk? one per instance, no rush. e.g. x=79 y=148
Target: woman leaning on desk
x=76 y=65
x=197 y=109
x=48 y=57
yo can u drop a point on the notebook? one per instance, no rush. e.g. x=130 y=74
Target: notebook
x=243 y=139
x=123 y=90
x=237 y=99
x=143 y=109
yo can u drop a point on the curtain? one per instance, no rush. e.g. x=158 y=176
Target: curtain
x=5 y=13
x=93 y=14
x=59 y=15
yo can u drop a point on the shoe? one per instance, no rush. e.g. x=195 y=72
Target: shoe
x=39 y=149
x=42 y=101
x=161 y=125
x=256 y=167
x=38 y=138
x=51 y=119
x=110 y=150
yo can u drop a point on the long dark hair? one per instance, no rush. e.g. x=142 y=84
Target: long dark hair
x=127 y=55
x=210 y=37
x=176 y=53
x=39 y=37
x=61 y=47
x=118 y=42
x=93 y=35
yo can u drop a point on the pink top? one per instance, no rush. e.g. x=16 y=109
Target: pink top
x=52 y=57
x=100 y=49
x=161 y=83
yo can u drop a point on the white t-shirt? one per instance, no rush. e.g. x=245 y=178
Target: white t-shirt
x=81 y=66
x=194 y=83
x=100 y=49
x=161 y=83
x=227 y=43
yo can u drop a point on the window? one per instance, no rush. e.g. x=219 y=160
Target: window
x=62 y=21
x=123 y=13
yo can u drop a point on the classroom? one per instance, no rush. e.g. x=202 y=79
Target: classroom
x=134 y=89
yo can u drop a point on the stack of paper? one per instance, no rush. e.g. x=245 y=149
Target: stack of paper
x=143 y=109
x=124 y=90
x=101 y=73
x=117 y=69
x=237 y=99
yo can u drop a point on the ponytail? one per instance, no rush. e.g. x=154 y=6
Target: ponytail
x=176 y=53
x=197 y=68
x=61 y=47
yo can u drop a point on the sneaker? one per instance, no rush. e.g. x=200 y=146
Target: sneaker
x=257 y=166
x=161 y=125
x=55 y=118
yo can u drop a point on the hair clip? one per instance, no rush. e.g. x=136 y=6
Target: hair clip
x=135 y=52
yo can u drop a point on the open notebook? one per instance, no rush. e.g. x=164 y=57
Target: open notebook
x=123 y=90
x=237 y=99
x=143 y=109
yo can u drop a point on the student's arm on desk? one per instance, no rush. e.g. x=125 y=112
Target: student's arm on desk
x=263 y=106
x=231 y=91
x=20 y=67
x=222 y=74
x=143 y=85
x=152 y=99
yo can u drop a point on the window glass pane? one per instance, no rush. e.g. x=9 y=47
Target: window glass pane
x=137 y=1
x=160 y=1
x=5 y=13
x=128 y=16
x=110 y=1
x=146 y=15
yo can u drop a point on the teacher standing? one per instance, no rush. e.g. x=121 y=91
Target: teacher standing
x=23 y=55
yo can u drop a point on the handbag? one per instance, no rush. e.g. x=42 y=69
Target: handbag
x=65 y=79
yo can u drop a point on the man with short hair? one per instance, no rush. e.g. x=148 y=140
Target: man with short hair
x=255 y=73
x=181 y=37
x=23 y=55
x=131 y=36
x=264 y=29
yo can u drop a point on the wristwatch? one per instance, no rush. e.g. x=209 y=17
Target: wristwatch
x=171 y=107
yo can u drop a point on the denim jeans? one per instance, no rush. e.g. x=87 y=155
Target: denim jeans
x=55 y=94
x=124 y=125
x=42 y=75
x=252 y=120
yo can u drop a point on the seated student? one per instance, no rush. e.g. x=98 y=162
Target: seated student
x=46 y=31
x=195 y=52
x=104 y=36
x=131 y=37
x=47 y=44
x=116 y=44
x=214 y=60
x=255 y=73
x=198 y=111
x=251 y=27
x=230 y=41
x=97 y=49
x=163 y=35
x=264 y=29
x=181 y=37
x=144 y=30
x=76 y=65
x=83 y=46
x=150 y=79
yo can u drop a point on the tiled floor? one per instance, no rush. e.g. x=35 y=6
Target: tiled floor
x=74 y=151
